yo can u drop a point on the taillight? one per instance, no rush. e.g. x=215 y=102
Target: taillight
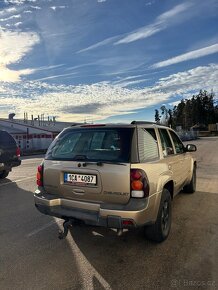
x=127 y=223
x=18 y=152
x=139 y=183
x=39 y=176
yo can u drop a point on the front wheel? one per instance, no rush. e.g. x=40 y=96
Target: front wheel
x=159 y=231
x=4 y=174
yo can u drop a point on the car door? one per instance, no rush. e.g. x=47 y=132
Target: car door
x=182 y=155
x=173 y=160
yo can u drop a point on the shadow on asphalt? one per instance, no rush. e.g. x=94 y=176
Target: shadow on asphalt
x=31 y=255
x=5 y=180
x=120 y=260
x=132 y=262
x=127 y=262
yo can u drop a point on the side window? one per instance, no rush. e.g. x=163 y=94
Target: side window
x=177 y=143
x=152 y=132
x=147 y=144
x=166 y=143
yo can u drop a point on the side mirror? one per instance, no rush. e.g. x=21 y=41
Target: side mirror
x=190 y=148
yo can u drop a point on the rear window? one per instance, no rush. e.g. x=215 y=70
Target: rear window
x=92 y=144
x=6 y=140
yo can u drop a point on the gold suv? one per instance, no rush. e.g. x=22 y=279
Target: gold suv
x=116 y=175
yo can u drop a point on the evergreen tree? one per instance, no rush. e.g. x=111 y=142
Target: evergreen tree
x=157 y=116
x=201 y=110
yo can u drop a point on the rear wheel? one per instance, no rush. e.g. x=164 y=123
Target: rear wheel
x=4 y=174
x=191 y=187
x=159 y=231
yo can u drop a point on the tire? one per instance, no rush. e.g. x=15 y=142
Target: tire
x=159 y=231
x=191 y=187
x=4 y=174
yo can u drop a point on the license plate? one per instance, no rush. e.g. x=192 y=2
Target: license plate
x=80 y=178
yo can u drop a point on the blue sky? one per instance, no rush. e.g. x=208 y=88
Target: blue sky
x=105 y=60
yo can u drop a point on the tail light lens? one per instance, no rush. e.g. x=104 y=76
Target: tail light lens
x=18 y=152
x=39 y=176
x=139 y=183
x=127 y=223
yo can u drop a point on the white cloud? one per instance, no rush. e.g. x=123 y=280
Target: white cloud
x=48 y=67
x=202 y=77
x=13 y=47
x=8 y=11
x=17 y=24
x=130 y=83
x=56 y=76
x=111 y=99
x=188 y=56
x=36 y=7
x=7 y=75
x=173 y=104
x=149 y=3
x=100 y=43
x=57 y=7
x=161 y=23
x=174 y=12
x=127 y=78
x=10 y=18
x=141 y=33
x=19 y=2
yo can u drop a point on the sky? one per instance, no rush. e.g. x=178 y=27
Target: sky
x=105 y=60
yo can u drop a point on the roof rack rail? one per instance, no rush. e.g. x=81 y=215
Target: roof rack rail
x=142 y=122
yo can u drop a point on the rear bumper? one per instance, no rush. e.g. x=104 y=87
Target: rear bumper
x=139 y=211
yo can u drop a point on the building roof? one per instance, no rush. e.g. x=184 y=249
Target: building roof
x=45 y=126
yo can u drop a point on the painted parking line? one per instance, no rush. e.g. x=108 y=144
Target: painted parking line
x=31 y=161
x=87 y=270
x=18 y=180
x=56 y=221
x=36 y=231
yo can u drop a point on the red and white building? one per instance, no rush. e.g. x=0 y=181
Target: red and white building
x=33 y=135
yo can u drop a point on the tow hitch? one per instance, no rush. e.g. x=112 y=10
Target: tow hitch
x=119 y=232
x=66 y=224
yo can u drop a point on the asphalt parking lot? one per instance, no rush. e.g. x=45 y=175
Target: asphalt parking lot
x=32 y=256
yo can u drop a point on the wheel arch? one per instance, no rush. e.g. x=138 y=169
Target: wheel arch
x=170 y=187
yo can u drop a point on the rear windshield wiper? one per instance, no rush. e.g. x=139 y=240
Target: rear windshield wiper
x=80 y=157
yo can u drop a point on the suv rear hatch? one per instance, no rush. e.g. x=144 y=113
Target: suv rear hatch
x=90 y=164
